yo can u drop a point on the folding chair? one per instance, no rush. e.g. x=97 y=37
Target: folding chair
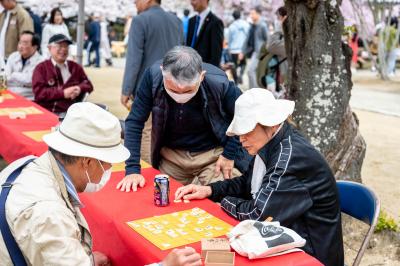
x=105 y=107
x=101 y=105
x=85 y=96
x=122 y=123
x=361 y=203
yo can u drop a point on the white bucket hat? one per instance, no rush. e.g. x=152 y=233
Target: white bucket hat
x=258 y=106
x=89 y=131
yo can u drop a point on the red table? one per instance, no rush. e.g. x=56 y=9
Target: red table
x=14 y=144
x=108 y=211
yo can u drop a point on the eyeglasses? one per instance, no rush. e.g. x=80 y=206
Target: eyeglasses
x=187 y=88
x=24 y=43
x=104 y=165
x=60 y=46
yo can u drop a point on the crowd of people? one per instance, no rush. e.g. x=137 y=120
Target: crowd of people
x=239 y=149
x=16 y=19
x=386 y=41
x=37 y=58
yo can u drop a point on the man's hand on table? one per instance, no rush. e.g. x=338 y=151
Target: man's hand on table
x=100 y=259
x=225 y=166
x=131 y=182
x=182 y=257
x=191 y=192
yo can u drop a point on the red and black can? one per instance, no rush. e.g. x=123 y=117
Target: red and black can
x=161 y=190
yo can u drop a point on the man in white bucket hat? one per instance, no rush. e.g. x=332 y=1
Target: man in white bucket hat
x=40 y=219
x=288 y=180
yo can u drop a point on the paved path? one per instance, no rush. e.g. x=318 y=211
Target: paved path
x=383 y=102
x=376 y=101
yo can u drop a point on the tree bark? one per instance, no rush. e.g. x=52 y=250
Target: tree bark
x=319 y=80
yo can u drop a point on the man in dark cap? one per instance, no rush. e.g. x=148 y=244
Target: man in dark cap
x=57 y=83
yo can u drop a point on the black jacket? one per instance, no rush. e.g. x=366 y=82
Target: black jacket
x=298 y=190
x=210 y=39
x=218 y=96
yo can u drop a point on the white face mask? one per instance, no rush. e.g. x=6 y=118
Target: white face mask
x=181 y=98
x=93 y=187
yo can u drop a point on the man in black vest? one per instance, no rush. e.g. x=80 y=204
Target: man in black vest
x=206 y=33
x=192 y=105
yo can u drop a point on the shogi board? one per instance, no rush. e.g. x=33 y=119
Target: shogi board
x=36 y=135
x=27 y=110
x=180 y=228
x=7 y=96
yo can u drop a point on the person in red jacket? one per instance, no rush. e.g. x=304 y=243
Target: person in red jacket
x=57 y=83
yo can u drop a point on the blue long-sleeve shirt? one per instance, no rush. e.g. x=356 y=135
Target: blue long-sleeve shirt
x=95 y=31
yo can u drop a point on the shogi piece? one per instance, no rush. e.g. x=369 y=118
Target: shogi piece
x=17 y=114
x=219 y=258
x=214 y=244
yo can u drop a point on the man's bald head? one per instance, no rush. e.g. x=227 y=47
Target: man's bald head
x=8 y=4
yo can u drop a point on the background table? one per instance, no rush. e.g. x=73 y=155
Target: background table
x=108 y=211
x=14 y=143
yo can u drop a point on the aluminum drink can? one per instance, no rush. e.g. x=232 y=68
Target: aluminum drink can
x=161 y=190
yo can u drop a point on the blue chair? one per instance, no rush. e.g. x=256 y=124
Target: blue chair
x=101 y=105
x=361 y=203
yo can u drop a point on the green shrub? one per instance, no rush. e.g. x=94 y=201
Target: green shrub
x=386 y=223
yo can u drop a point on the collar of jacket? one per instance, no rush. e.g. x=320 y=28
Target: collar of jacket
x=266 y=151
x=203 y=94
x=153 y=7
x=60 y=181
x=15 y=9
x=86 y=237
x=203 y=26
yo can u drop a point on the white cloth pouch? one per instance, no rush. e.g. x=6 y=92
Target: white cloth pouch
x=255 y=239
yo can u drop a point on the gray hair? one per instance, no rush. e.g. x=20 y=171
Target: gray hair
x=65 y=158
x=183 y=63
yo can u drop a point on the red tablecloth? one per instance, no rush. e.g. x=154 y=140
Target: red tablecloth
x=108 y=211
x=14 y=144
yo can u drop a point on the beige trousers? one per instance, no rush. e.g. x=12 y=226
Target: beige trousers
x=192 y=167
x=145 y=147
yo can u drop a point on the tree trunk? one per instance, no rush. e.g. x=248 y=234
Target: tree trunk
x=320 y=83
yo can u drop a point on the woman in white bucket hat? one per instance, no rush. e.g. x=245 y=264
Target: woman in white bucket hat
x=47 y=225
x=288 y=181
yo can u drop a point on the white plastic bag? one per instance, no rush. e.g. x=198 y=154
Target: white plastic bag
x=255 y=239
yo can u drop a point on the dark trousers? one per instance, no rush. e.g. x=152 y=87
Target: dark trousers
x=94 y=46
x=240 y=66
